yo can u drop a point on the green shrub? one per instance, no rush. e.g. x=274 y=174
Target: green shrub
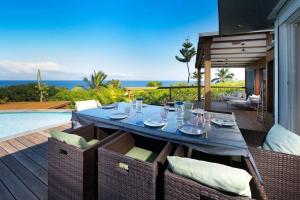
x=161 y=96
x=154 y=84
x=26 y=92
x=105 y=95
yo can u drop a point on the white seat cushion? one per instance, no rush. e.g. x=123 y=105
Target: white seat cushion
x=84 y=105
x=215 y=175
x=280 y=139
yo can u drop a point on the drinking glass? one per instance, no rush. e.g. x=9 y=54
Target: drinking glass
x=133 y=104
x=127 y=110
x=166 y=107
x=139 y=104
x=207 y=117
x=164 y=115
x=116 y=106
x=194 y=120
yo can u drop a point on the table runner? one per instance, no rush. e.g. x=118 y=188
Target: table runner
x=227 y=141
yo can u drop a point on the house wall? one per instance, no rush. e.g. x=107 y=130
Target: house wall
x=287 y=69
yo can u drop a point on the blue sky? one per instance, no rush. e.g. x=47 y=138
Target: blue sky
x=128 y=40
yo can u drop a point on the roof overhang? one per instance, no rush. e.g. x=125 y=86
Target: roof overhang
x=241 y=16
x=240 y=50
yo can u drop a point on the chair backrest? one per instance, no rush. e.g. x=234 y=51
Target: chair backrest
x=84 y=105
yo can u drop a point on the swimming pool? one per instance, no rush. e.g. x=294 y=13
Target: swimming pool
x=13 y=123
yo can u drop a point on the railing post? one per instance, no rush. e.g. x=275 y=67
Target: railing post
x=170 y=94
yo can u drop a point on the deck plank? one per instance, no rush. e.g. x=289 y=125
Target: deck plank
x=16 y=187
x=30 y=164
x=42 y=143
x=5 y=194
x=35 y=147
x=29 y=152
x=28 y=179
x=23 y=161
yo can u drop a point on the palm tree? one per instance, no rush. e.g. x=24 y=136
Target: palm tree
x=97 y=80
x=115 y=83
x=187 y=53
x=223 y=74
x=41 y=86
x=195 y=75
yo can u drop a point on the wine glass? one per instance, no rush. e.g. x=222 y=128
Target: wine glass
x=164 y=115
x=127 y=110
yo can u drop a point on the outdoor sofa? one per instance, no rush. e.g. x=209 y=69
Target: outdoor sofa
x=233 y=96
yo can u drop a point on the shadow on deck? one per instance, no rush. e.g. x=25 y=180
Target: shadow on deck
x=24 y=165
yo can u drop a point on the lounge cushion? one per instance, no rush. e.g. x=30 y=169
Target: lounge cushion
x=71 y=139
x=217 y=176
x=141 y=154
x=93 y=142
x=280 y=139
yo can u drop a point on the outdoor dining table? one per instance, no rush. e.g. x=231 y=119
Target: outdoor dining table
x=220 y=140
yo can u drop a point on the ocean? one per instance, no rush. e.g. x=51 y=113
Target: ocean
x=72 y=83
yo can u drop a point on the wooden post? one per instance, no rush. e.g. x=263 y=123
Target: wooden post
x=207 y=89
x=207 y=66
x=170 y=94
x=199 y=83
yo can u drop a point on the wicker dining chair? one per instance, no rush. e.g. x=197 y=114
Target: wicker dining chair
x=72 y=172
x=280 y=171
x=139 y=180
x=181 y=188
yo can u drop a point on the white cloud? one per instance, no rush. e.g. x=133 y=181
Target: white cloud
x=29 y=67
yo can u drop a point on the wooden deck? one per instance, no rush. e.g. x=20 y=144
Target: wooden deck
x=35 y=105
x=245 y=118
x=23 y=166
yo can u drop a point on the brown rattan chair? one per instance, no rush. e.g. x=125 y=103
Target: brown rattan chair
x=140 y=179
x=72 y=172
x=280 y=171
x=181 y=188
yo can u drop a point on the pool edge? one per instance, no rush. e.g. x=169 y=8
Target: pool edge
x=33 y=131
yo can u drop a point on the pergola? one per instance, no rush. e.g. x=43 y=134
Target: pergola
x=239 y=50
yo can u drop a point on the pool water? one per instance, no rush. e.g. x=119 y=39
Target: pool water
x=12 y=123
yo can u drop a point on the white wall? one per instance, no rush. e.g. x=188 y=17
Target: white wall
x=287 y=69
x=297 y=78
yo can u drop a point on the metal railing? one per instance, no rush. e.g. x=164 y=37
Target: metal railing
x=174 y=89
x=170 y=88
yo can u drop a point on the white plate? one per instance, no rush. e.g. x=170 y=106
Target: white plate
x=154 y=123
x=198 y=111
x=171 y=109
x=223 y=122
x=108 y=107
x=191 y=130
x=118 y=116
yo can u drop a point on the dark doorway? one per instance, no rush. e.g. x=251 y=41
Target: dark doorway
x=250 y=75
x=270 y=87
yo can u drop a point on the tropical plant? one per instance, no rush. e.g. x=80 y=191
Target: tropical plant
x=154 y=84
x=96 y=81
x=223 y=74
x=41 y=86
x=104 y=95
x=187 y=53
x=26 y=92
x=195 y=75
x=115 y=83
